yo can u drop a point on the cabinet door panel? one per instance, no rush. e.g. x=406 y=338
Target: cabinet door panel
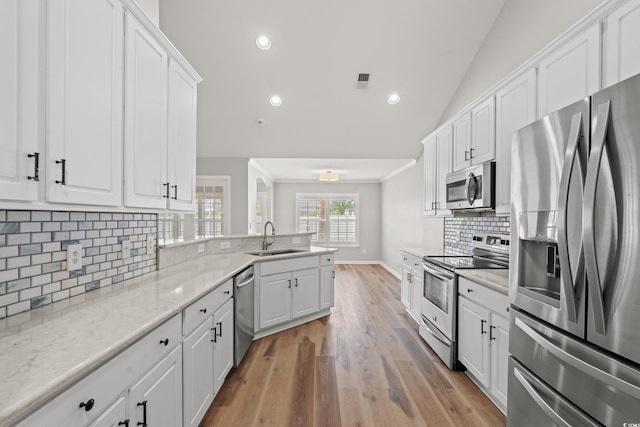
x=444 y=164
x=622 y=43
x=499 y=358
x=461 y=142
x=429 y=160
x=161 y=389
x=327 y=289
x=570 y=73
x=182 y=137
x=515 y=108
x=19 y=88
x=84 y=102
x=483 y=138
x=473 y=330
x=198 y=373
x=223 y=345
x=146 y=113
x=405 y=286
x=275 y=299
x=113 y=416
x=306 y=292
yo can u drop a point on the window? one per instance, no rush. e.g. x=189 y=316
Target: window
x=333 y=218
x=170 y=228
x=211 y=218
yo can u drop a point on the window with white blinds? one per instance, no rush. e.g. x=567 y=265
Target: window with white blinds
x=210 y=216
x=332 y=218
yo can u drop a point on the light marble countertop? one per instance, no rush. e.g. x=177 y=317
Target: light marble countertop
x=496 y=279
x=422 y=252
x=50 y=348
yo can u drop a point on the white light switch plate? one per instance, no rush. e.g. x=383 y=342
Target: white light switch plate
x=296 y=240
x=225 y=245
x=200 y=248
x=150 y=247
x=74 y=257
x=126 y=249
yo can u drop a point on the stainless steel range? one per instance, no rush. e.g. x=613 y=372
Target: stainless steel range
x=439 y=305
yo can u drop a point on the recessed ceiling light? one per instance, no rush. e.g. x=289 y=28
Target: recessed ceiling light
x=275 y=100
x=393 y=99
x=263 y=42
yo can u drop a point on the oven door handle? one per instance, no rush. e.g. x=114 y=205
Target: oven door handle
x=439 y=274
x=436 y=334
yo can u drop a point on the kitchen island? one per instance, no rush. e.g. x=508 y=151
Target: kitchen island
x=47 y=350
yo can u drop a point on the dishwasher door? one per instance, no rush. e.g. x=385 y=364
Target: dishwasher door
x=243 y=306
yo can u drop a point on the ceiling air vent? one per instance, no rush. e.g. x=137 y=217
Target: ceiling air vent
x=363 y=81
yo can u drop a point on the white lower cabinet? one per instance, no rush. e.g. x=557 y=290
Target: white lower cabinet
x=483 y=338
x=327 y=287
x=223 y=328
x=411 y=284
x=114 y=416
x=156 y=400
x=197 y=367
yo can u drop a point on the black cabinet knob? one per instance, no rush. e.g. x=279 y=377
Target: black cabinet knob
x=203 y=310
x=226 y=292
x=124 y=423
x=165 y=341
x=88 y=405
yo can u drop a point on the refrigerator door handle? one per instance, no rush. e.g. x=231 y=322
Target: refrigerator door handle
x=539 y=400
x=571 y=360
x=567 y=280
x=591 y=182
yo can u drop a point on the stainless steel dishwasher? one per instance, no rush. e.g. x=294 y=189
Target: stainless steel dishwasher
x=243 y=299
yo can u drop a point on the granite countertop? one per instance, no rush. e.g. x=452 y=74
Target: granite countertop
x=50 y=348
x=496 y=279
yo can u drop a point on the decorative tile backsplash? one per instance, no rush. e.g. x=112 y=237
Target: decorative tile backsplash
x=33 y=254
x=459 y=230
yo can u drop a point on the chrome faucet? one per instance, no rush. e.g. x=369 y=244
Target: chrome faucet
x=265 y=244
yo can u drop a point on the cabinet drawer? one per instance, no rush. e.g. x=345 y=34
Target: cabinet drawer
x=288 y=265
x=327 y=259
x=493 y=300
x=109 y=381
x=198 y=311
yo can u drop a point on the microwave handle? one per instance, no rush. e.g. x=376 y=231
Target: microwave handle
x=470 y=197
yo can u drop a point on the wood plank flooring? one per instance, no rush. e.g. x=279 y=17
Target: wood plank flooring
x=364 y=365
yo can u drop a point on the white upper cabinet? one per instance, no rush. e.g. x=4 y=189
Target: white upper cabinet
x=483 y=132
x=437 y=164
x=182 y=137
x=20 y=151
x=145 y=119
x=622 y=43
x=570 y=72
x=515 y=108
x=84 y=102
x=461 y=142
x=430 y=165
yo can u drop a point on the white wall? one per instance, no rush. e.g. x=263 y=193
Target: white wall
x=254 y=174
x=237 y=169
x=522 y=29
x=369 y=214
x=151 y=9
x=403 y=225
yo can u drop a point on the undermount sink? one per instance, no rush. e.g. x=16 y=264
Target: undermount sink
x=277 y=252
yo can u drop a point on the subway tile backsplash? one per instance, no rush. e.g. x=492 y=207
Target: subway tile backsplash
x=459 y=230
x=33 y=254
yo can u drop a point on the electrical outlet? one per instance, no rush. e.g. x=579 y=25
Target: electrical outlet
x=74 y=257
x=296 y=240
x=364 y=251
x=150 y=247
x=225 y=245
x=126 y=249
x=200 y=248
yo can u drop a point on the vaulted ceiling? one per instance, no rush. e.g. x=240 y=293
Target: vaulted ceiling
x=419 y=49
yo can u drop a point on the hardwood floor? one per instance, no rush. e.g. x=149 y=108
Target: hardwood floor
x=364 y=365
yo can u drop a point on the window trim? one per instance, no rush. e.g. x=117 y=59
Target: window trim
x=329 y=196
x=225 y=182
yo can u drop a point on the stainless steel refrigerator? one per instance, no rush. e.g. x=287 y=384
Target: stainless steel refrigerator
x=574 y=281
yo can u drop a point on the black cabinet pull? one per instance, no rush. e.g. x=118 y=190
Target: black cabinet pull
x=166 y=186
x=289 y=284
x=36 y=166
x=220 y=331
x=165 y=342
x=466 y=155
x=215 y=335
x=144 y=414
x=333 y=273
x=88 y=405
x=62 y=162
x=124 y=423
x=482 y=322
x=203 y=310
x=491 y=336
x=296 y=285
x=469 y=290
x=471 y=153
x=175 y=192
x=226 y=292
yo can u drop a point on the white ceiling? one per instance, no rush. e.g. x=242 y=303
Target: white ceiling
x=420 y=49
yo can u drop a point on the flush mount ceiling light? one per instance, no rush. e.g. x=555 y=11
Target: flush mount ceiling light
x=263 y=42
x=393 y=99
x=275 y=100
x=329 y=176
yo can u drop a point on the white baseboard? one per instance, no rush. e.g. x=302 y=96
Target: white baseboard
x=390 y=270
x=382 y=264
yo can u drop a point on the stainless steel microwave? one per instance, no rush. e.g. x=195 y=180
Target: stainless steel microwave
x=472 y=188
